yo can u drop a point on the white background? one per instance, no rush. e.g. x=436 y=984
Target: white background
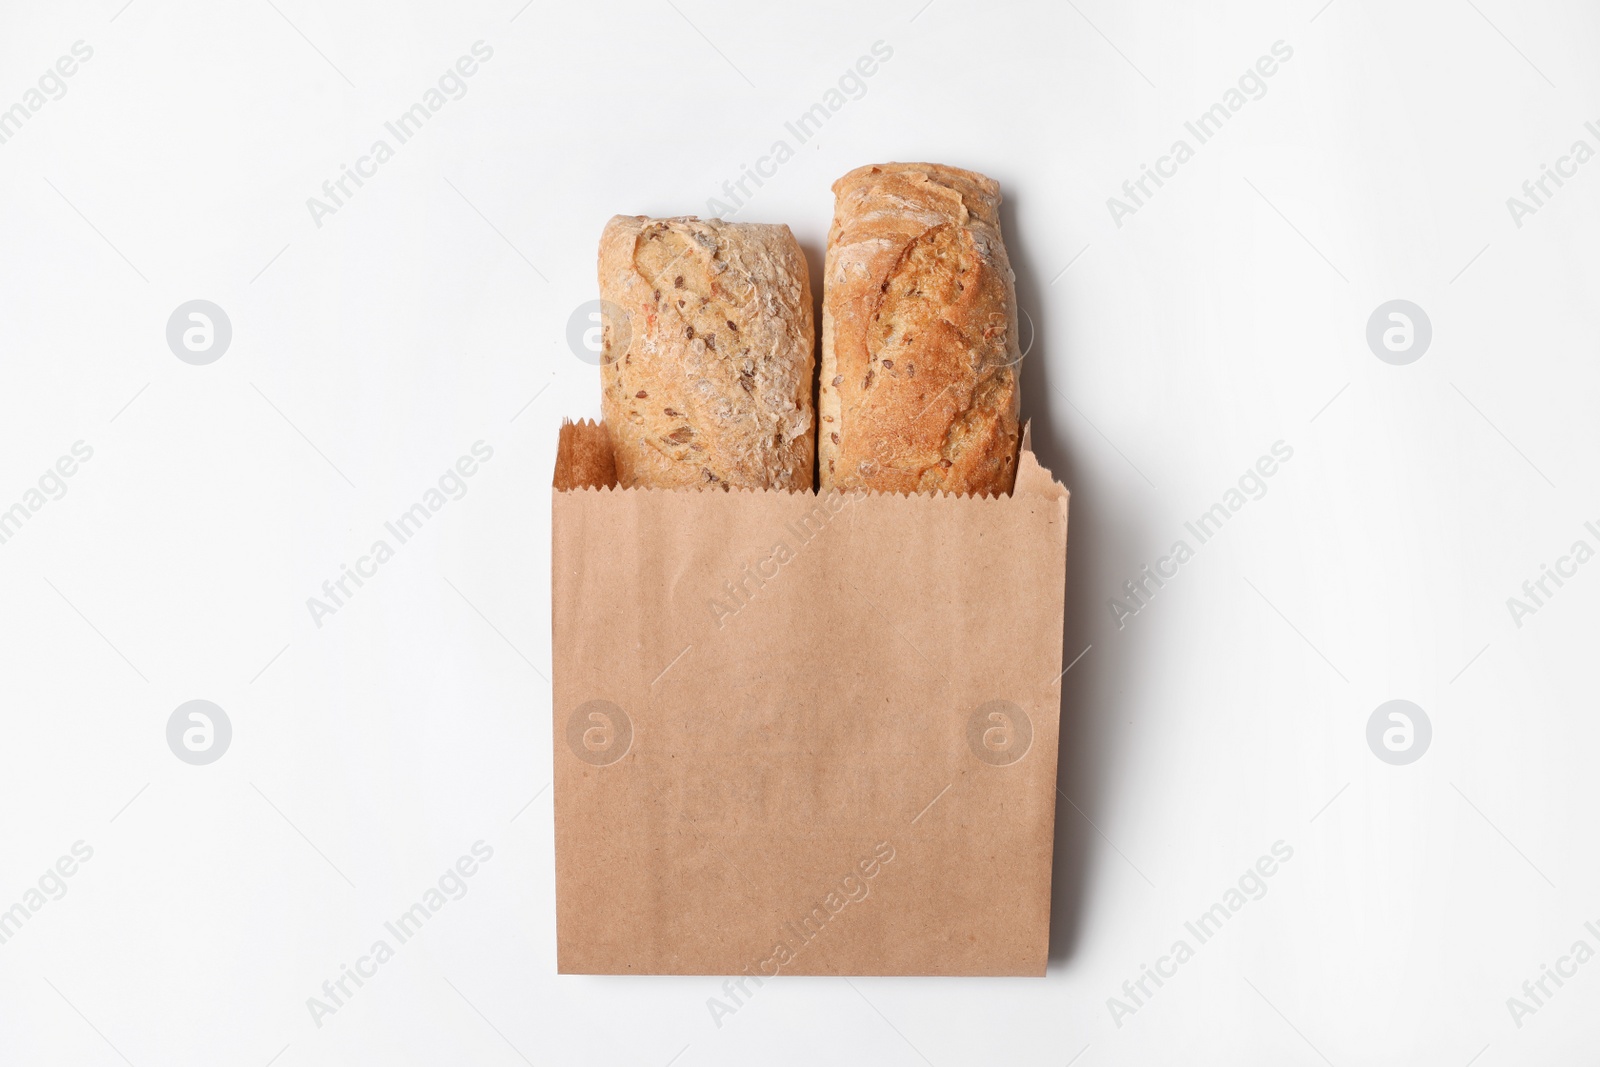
x=430 y=312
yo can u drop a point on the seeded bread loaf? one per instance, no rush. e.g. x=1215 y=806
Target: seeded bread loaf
x=919 y=335
x=707 y=354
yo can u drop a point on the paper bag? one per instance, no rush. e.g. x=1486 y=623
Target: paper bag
x=801 y=733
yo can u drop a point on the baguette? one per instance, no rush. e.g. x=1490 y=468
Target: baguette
x=919 y=335
x=709 y=383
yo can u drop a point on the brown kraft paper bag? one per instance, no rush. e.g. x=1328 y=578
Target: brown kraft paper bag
x=800 y=733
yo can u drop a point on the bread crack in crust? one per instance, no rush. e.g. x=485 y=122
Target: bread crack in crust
x=711 y=387
x=919 y=335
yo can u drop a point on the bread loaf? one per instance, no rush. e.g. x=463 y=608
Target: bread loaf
x=919 y=335
x=706 y=380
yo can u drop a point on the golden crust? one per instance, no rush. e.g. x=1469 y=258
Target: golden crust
x=707 y=357
x=919 y=335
